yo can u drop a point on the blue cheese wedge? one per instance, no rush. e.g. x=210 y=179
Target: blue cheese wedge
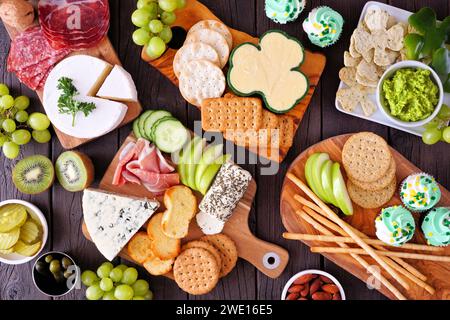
x=113 y=219
x=227 y=190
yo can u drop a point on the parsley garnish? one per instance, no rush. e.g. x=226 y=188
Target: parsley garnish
x=66 y=102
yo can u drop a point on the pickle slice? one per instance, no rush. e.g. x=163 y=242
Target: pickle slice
x=29 y=232
x=25 y=249
x=9 y=239
x=6 y=251
x=12 y=216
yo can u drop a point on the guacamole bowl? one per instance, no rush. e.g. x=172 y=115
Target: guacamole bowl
x=414 y=89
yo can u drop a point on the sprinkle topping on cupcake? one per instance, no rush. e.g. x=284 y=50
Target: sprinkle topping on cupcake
x=420 y=192
x=436 y=227
x=323 y=26
x=283 y=11
x=395 y=225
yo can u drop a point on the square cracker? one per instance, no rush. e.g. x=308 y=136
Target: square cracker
x=232 y=113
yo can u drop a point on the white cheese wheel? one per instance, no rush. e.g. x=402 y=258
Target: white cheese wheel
x=119 y=86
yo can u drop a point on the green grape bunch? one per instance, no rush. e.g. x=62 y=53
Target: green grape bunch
x=154 y=18
x=17 y=126
x=438 y=129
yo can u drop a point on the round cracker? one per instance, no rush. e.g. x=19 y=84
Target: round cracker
x=366 y=157
x=194 y=51
x=215 y=26
x=227 y=249
x=201 y=79
x=371 y=199
x=196 y=271
x=214 y=39
x=379 y=184
x=206 y=246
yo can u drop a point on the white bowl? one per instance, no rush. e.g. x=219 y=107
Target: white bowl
x=14 y=258
x=414 y=65
x=313 y=271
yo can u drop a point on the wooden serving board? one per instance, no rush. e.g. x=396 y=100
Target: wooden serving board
x=364 y=220
x=105 y=51
x=258 y=252
x=194 y=12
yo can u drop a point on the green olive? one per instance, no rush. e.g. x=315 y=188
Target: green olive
x=55 y=266
x=48 y=258
x=67 y=274
x=41 y=267
x=59 y=277
x=66 y=262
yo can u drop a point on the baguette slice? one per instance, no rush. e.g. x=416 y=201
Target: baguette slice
x=139 y=247
x=162 y=246
x=181 y=206
x=157 y=267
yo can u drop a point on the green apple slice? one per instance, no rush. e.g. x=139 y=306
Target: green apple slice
x=316 y=171
x=308 y=171
x=327 y=181
x=192 y=162
x=340 y=190
x=210 y=173
x=211 y=153
x=184 y=159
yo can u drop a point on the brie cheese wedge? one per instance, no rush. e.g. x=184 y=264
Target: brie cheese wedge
x=119 y=86
x=113 y=219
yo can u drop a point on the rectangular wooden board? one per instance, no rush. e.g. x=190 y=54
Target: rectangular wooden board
x=364 y=220
x=103 y=50
x=250 y=248
x=312 y=67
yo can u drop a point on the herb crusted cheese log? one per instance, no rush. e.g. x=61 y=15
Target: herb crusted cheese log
x=217 y=206
x=113 y=219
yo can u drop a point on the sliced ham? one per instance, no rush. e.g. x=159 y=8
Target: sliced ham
x=164 y=165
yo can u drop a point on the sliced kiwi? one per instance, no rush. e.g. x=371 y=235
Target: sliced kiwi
x=33 y=174
x=74 y=170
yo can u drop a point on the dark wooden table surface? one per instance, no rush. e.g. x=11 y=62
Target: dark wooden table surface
x=322 y=120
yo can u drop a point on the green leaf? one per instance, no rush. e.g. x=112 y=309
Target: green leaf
x=447 y=84
x=423 y=20
x=413 y=43
x=440 y=62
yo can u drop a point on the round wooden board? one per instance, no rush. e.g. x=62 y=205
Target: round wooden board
x=363 y=220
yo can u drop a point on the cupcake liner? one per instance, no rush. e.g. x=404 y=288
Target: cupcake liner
x=408 y=206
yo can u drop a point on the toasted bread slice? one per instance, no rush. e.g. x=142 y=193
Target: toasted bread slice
x=139 y=247
x=181 y=207
x=157 y=267
x=162 y=246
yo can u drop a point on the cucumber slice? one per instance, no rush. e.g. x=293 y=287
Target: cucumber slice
x=170 y=135
x=141 y=123
x=157 y=123
x=152 y=119
x=136 y=131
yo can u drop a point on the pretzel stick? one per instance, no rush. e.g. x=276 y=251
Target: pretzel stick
x=402 y=263
x=405 y=255
x=349 y=230
x=313 y=237
x=360 y=260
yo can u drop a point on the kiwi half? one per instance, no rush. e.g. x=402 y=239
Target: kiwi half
x=33 y=174
x=74 y=170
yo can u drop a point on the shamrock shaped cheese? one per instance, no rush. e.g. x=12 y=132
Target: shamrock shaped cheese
x=270 y=69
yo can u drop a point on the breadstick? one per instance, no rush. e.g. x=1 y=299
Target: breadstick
x=313 y=237
x=349 y=230
x=360 y=260
x=402 y=263
x=406 y=255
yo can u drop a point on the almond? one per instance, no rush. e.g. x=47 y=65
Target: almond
x=292 y=296
x=296 y=288
x=330 y=288
x=302 y=298
x=320 y=295
x=337 y=296
x=326 y=279
x=305 y=278
x=315 y=285
x=305 y=290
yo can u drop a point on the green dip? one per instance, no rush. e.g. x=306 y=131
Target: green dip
x=410 y=94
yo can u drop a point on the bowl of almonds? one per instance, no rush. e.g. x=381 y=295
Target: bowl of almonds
x=313 y=285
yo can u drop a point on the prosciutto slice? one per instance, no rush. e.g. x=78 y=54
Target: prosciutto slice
x=143 y=163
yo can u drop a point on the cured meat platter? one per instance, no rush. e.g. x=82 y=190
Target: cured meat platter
x=312 y=67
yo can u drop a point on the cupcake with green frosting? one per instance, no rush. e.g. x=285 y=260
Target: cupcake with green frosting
x=284 y=11
x=395 y=225
x=323 y=26
x=436 y=227
x=420 y=192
